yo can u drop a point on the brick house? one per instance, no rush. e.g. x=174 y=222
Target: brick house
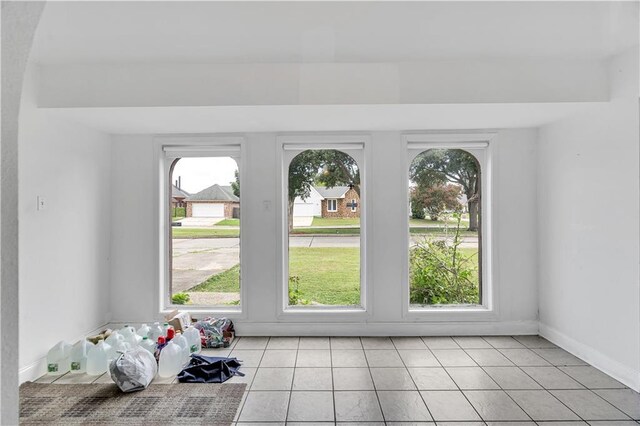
x=339 y=201
x=178 y=196
x=214 y=201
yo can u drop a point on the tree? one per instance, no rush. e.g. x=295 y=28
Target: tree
x=417 y=206
x=440 y=166
x=235 y=186
x=437 y=199
x=326 y=167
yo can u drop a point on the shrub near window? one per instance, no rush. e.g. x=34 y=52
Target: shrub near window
x=441 y=273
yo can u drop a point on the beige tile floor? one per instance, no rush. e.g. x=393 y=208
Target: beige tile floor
x=520 y=380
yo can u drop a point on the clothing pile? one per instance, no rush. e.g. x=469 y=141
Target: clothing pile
x=215 y=332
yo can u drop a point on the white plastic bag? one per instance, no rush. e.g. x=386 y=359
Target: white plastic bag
x=133 y=369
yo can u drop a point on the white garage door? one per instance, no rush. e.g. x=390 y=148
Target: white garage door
x=207 y=210
x=305 y=209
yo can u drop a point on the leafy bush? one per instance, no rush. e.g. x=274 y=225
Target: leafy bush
x=294 y=292
x=440 y=273
x=179 y=212
x=417 y=206
x=180 y=298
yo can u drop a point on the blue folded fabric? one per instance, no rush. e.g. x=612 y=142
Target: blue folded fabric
x=209 y=369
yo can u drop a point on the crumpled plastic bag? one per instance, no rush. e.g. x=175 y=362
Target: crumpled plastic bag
x=133 y=370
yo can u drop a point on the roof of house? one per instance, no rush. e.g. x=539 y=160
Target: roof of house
x=178 y=193
x=335 y=192
x=214 y=193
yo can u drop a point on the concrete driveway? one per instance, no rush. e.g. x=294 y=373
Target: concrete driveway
x=302 y=221
x=196 y=260
x=200 y=222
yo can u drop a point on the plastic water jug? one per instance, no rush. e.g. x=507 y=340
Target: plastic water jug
x=144 y=330
x=192 y=335
x=148 y=345
x=130 y=336
x=113 y=337
x=79 y=354
x=165 y=327
x=181 y=341
x=155 y=332
x=58 y=359
x=98 y=359
x=171 y=359
x=118 y=346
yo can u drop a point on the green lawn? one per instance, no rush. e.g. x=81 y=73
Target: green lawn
x=229 y=222
x=438 y=232
x=326 y=231
x=429 y=222
x=188 y=233
x=328 y=275
x=335 y=221
x=224 y=282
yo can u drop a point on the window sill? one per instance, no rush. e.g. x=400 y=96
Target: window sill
x=233 y=312
x=452 y=314
x=328 y=314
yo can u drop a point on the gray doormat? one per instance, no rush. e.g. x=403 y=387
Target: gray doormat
x=105 y=404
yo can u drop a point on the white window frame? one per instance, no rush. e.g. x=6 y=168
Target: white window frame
x=335 y=205
x=353 y=207
x=479 y=145
x=288 y=147
x=168 y=149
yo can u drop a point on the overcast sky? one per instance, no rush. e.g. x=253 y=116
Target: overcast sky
x=200 y=173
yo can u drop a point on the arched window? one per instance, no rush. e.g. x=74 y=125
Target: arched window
x=204 y=236
x=445 y=224
x=323 y=216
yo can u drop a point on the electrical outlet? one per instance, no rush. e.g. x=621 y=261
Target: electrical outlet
x=42 y=203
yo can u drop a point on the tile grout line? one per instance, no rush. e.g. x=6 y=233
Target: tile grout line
x=375 y=389
x=293 y=379
x=551 y=365
x=544 y=388
x=456 y=383
x=503 y=390
x=412 y=379
x=333 y=389
x=256 y=373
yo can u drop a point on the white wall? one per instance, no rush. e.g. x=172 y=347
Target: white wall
x=19 y=21
x=384 y=83
x=64 y=249
x=588 y=222
x=135 y=264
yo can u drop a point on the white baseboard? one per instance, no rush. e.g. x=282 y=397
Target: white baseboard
x=613 y=368
x=38 y=368
x=290 y=328
x=385 y=329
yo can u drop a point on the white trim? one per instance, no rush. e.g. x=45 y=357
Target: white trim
x=177 y=151
x=444 y=139
x=335 y=202
x=316 y=145
x=38 y=368
x=623 y=373
x=478 y=145
x=166 y=151
x=362 y=328
x=287 y=147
